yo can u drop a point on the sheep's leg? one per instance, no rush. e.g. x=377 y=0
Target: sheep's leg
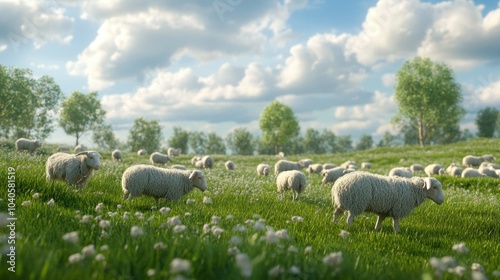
x=395 y=224
x=350 y=218
x=380 y=219
x=126 y=195
x=336 y=214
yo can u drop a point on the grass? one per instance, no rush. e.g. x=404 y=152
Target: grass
x=251 y=214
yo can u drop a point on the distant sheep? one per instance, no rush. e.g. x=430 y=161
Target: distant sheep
x=488 y=171
x=195 y=159
x=304 y=163
x=401 y=172
x=331 y=175
x=159 y=158
x=488 y=158
x=23 y=144
x=208 y=162
x=263 y=169
x=291 y=180
x=416 y=167
x=229 y=165
x=75 y=170
x=385 y=196
x=285 y=165
x=116 y=155
x=178 y=166
x=456 y=171
x=315 y=168
x=434 y=169
x=281 y=155
x=349 y=164
x=366 y=165
x=470 y=172
x=80 y=148
x=472 y=161
x=142 y=152
x=170 y=184
x=328 y=166
x=171 y=152
x=198 y=164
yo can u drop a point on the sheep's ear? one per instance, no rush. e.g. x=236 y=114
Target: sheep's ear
x=82 y=154
x=427 y=183
x=193 y=174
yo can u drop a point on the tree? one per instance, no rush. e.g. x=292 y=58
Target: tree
x=313 y=142
x=279 y=124
x=215 y=144
x=388 y=140
x=365 y=143
x=145 y=134
x=197 y=141
x=486 y=121
x=344 y=144
x=240 y=141
x=179 y=139
x=104 y=137
x=81 y=113
x=428 y=97
x=329 y=141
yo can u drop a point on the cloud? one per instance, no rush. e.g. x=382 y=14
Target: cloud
x=389 y=80
x=37 y=22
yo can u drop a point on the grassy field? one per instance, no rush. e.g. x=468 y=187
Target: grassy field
x=246 y=231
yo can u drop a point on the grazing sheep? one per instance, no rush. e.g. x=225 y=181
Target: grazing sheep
x=285 y=165
x=229 y=165
x=142 y=152
x=401 y=172
x=162 y=159
x=304 y=163
x=385 y=196
x=174 y=152
x=281 y=155
x=331 y=175
x=23 y=144
x=488 y=171
x=198 y=164
x=62 y=149
x=366 y=165
x=116 y=155
x=263 y=169
x=470 y=172
x=416 y=167
x=472 y=161
x=449 y=168
x=157 y=182
x=434 y=169
x=80 y=148
x=208 y=162
x=488 y=158
x=328 y=166
x=195 y=159
x=489 y=164
x=315 y=168
x=291 y=180
x=349 y=164
x=178 y=166
x=456 y=171
x=75 y=170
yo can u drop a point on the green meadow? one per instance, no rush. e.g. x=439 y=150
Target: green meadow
x=240 y=228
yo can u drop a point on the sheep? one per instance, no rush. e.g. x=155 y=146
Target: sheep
x=315 y=168
x=304 y=163
x=488 y=171
x=178 y=166
x=470 y=173
x=449 y=168
x=23 y=144
x=263 y=169
x=331 y=175
x=116 y=155
x=489 y=164
x=208 y=162
x=157 y=182
x=174 y=152
x=472 y=161
x=456 y=171
x=142 y=152
x=488 y=158
x=285 y=165
x=76 y=170
x=434 y=169
x=401 y=172
x=281 y=155
x=385 y=196
x=195 y=159
x=80 y=148
x=416 y=167
x=162 y=159
x=366 y=165
x=229 y=165
x=349 y=164
x=328 y=166
x=198 y=164
x=291 y=180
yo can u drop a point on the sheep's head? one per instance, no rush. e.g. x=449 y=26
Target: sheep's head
x=198 y=179
x=92 y=159
x=433 y=190
x=38 y=143
x=266 y=171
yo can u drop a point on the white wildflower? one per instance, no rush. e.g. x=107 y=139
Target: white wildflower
x=308 y=249
x=71 y=237
x=136 y=231
x=477 y=267
x=293 y=249
x=275 y=271
x=119 y=206
x=36 y=196
x=250 y=222
x=153 y=207
x=297 y=219
x=104 y=247
x=437 y=264
x=190 y=201
x=51 y=202
x=207 y=200
x=151 y=272
x=229 y=217
x=99 y=207
x=88 y=251
x=125 y=215
x=179 y=265
x=85 y=219
x=179 y=228
x=99 y=257
x=236 y=240
x=104 y=223
x=75 y=258
x=478 y=275
x=104 y=233
x=26 y=203
x=215 y=220
x=233 y=251
x=164 y=210
x=460 y=248
x=217 y=231
x=159 y=246
x=496 y=273
x=448 y=261
x=139 y=215
x=240 y=228
x=344 y=233
x=206 y=228
x=258 y=226
x=188 y=214
x=244 y=263
x=333 y=259
x=458 y=270
x=271 y=237
x=173 y=221
x=282 y=233
x=294 y=270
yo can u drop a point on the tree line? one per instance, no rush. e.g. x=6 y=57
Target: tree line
x=428 y=98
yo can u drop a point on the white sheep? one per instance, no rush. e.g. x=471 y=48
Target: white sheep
x=263 y=169
x=195 y=159
x=304 y=163
x=198 y=164
x=456 y=171
x=472 y=161
x=208 y=162
x=349 y=164
x=404 y=172
x=75 y=170
x=315 y=168
x=285 y=165
x=142 y=152
x=366 y=165
x=416 y=167
x=80 y=148
x=328 y=166
x=23 y=144
x=470 y=172
x=489 y=164
x=229 y=165
x=157 y=182
x=488 y=171
x=331 y=175
x=178 y=166
x=291 y=180
x=449 y=168
x=171 y=152
x=488 y=158
x=385 y=196
x=159 y=158
x=116 y=155
x=434 y=169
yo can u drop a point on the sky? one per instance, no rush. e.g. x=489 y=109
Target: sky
x=215 y=65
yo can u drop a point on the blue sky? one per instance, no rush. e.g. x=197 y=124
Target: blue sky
x=189 y=64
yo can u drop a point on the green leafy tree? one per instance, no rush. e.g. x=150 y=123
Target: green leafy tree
x=294 y=145
x=240 y=141
x=344 y=144
x=81 y=113
x=179 y=139
x=104 y=137
x=197 y=142
x=313 y=142
x=215 y=144
x=263 y=148
x=486 y=121
x=365 y=143
x=388 y=140
x=145 y=134
x=329 y=141
x=279 y=124
x=428 y=97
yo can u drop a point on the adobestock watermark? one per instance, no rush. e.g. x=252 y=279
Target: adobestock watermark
x=11 y=219
x=223 y=6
